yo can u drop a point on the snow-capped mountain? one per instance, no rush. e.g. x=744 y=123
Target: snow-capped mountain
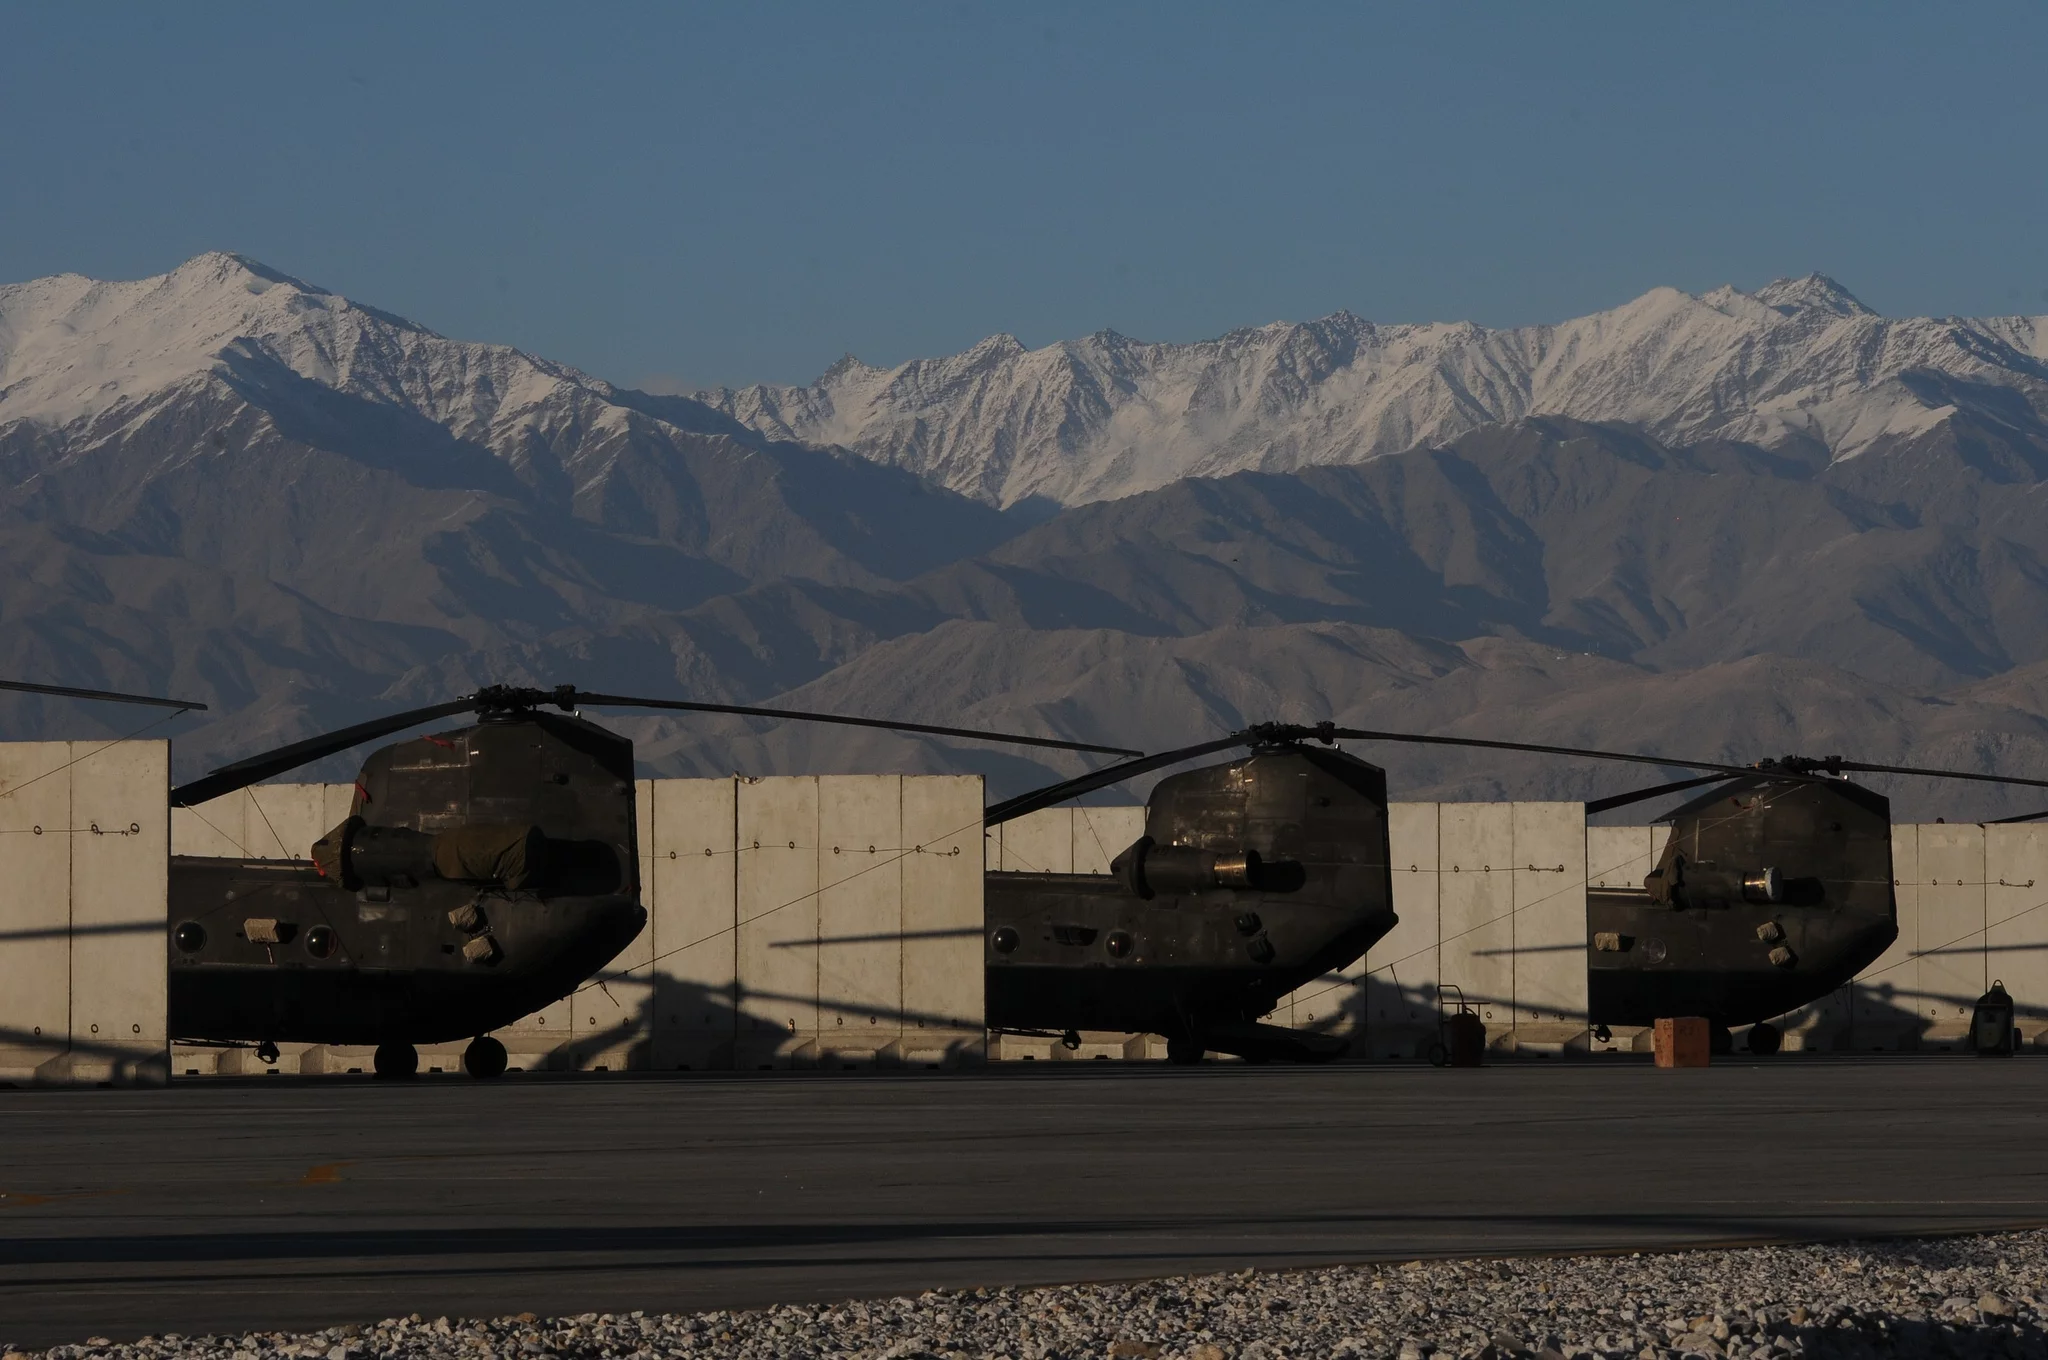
x=228 y=483
x=1800 y=360
x=1795 y=525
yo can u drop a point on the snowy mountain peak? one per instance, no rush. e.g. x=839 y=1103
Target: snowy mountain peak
x=1000 y=346
x=1106 y=416
x=89 y=361
x=1815 y=292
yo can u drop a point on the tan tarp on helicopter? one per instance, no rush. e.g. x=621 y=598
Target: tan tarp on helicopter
x=486 y=852
x=330 y=848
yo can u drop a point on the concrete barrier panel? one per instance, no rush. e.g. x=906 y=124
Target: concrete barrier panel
x=612 y=1015
x=85 y=851
x=1950 y=941
x=693 y=920
x=860 y=915
x=284 y=820
x=1550 y=922
x=1398 y=996
x=268 y=821
x=2016 y=905
x=1476 y=896
x=1101 y=834
x=1884 y=1010
x=1622 y=856
x=120 y=880
x=778 y=920
x=1039 y=843
x=215 y=827
x=35 y=910
x=943 y=1005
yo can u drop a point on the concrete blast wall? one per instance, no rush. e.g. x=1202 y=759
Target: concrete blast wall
x=801 y=921
x=84 y=846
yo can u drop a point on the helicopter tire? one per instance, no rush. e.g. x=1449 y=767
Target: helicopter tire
x=1720 y=1041
x=484 y=1058
x=396 y=1062
x=1184 y=1052
x=1764 y=1038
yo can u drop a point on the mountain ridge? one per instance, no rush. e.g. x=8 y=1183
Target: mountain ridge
x=230 y=484
x=1106 y=416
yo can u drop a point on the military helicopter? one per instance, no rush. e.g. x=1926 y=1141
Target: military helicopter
x=1772 y=890
x=1251 y=878
x=1256 y=876
x=482 y=874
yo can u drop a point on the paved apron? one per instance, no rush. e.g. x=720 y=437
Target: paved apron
x=265 y=1204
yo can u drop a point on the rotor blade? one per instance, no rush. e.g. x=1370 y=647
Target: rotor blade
x=258 y=768
x=797 y=715
x=1644 y=795
x=2028 y=817
x=65 y=691
x=1011 y=808
x=1360 y=734
x=1941 y=774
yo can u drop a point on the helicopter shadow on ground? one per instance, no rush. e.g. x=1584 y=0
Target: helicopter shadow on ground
x=1387 y=1019
x=670 y=1024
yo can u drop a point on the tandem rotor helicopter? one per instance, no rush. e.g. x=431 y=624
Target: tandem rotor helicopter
x=488 y=870
x=1255 y=876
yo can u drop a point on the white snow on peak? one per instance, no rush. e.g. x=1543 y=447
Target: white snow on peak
x=75 y=349
x=1108 y=416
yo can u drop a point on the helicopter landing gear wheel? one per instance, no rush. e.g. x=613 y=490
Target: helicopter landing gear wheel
x=484 y=1058
x=1764 y=1038
x=395 y=1062
x=267 y=1054
x=1184 y=1052
x=1720 y=1042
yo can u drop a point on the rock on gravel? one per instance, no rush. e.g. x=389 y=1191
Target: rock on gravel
x=1962 y=1297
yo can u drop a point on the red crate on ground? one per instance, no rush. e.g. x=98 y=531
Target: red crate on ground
x=1683 y=1041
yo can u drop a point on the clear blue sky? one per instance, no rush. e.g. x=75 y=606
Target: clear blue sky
x=733 y=193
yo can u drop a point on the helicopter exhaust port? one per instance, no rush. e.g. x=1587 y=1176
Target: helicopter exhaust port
x=1149 y=869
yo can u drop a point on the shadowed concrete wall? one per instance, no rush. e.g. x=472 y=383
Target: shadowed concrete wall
x=84 y=845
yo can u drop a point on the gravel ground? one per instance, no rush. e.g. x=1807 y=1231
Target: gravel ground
x=1978 y=1296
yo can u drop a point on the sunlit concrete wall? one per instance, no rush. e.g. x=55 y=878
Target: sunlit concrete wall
x=269 y=821
x=1064 y=840
x=1492 y=906
x=84 y=844
x=803 y=921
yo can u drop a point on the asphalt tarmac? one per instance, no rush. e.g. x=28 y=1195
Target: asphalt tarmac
x=293 y=1204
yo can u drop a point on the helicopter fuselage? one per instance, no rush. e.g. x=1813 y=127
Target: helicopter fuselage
x=484 y=874
x=1769 y=894
x=1252 y=879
